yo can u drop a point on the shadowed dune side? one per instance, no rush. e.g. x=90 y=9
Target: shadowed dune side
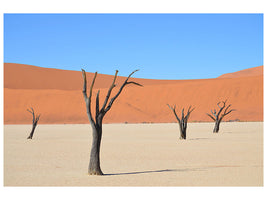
x=140 y=104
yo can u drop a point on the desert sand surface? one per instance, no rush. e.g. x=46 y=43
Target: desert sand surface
x=254 y=71
x=57 y=95
x=136 y=155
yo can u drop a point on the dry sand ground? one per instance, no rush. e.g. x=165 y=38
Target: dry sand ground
x=136 y=155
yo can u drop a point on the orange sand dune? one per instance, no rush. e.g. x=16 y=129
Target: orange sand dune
x=19 y=76
x=255 y=71
x=56 y=94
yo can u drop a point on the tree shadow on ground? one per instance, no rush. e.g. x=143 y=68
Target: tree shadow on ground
x=204 y=168
x=155 y=171
x=200 y=139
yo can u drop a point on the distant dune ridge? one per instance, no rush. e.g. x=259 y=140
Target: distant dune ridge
x=57 y=96
x=254 y=71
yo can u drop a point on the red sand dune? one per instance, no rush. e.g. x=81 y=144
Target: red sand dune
x=56 y=94
x=254 y=71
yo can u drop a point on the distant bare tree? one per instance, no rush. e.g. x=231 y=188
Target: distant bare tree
x=96 y=123
x=35 y=120
x=218 y=116
x=182 y=121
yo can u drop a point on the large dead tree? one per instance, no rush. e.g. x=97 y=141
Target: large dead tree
x=182 y=121
x=35 y=119
x=218 y=116
x=96 y=123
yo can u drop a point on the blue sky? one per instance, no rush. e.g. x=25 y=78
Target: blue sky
x=162 y=46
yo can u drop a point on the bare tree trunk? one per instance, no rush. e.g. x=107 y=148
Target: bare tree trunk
x=216 y=127
x=94 y=164
x=182 y=130
x=35 y=120
x=32 y=132
x=183 y=134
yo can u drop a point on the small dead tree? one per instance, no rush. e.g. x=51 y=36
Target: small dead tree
x=35 y=120
x=182 y=121
x=218 y=116
x=96 y=123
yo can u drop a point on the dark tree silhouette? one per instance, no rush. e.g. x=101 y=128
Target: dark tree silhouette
x=96 y=123
x=182 y=121
x=218 y=116
x=35 y=120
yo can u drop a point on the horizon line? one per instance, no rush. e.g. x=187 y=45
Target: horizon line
x=132 y=77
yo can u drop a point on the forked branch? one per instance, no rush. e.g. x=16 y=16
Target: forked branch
x=120 y=90
x=218 y=117
x=174 y=112
x=183 y=120
x=109 y=92
x=88 y=99
x=107 y=104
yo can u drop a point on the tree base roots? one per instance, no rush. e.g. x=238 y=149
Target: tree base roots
x=95 y=173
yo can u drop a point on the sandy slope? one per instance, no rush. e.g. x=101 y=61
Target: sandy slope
x=19 y=76
x=255 y=71
x=136 y=155
x=56 y=94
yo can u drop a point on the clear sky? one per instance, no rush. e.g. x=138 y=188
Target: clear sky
x=162 y=46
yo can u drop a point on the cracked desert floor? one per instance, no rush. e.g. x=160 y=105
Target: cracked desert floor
x=136 y=155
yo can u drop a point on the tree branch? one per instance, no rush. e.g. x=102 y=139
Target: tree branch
x=33 y=115
x=219 y=116
x=88 y=99
x=189 y=111
x=227 y=108
x=131 y=74
x=38 y=117
x=91 y=87
x=97 y=105
x=173 y=109
x=211 y=116
x=132 y=82
x=84 y=84
x=225 y=111
x=221 y=108
x=35 y=118
x=109 y=92
x=120 y=90
x=182 y=118
x=229 y=112
x=29 y=110
x=213 y=113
